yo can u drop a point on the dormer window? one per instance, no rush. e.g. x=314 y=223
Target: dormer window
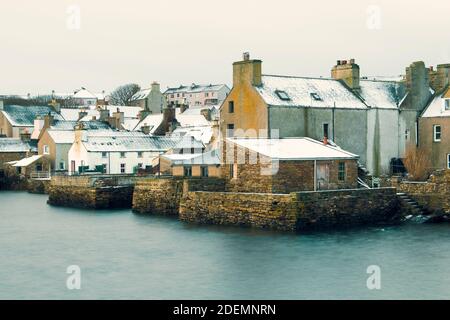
x=447 y=104
x=282 y=95
x=315 y=96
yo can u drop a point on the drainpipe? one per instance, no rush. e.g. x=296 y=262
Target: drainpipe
x=315 y=175
x=333 y=110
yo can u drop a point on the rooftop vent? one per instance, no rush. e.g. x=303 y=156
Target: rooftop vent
x=282 y=95
x=315 y=96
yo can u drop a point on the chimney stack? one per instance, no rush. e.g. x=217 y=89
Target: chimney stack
x=247 y=71
x=439 y=78
x=206 y=113
x=48 y=120
x=104 y=114
x=347 y=71
x=145 y=128
x=418 y=84
x=25 y=136
x=79 y=127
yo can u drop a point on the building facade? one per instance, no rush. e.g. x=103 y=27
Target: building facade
x=372 y=118
x=197 y=95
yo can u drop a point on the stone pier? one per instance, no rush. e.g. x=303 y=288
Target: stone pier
x=92 y=192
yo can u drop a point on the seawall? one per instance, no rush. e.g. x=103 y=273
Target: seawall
x=93 y=192
x=296 y=211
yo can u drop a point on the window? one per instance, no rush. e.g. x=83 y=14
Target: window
x=325 y=130
x=122 y=154
x=341 y=171
x=140 y=165
x=448 y=161
x=282 y=95
x=62 y=165
x=122 y=168
x=206 y=94
x=407 y=135
x=188 y=171
x=105 y=166
x=46 y=149
x=104 y=154
x=231 y=171
x=139 y=154
x=437 y=133
x=204 y=171
x=230 y=130
x=447 y=104
x=230 y=106
x=315 y=96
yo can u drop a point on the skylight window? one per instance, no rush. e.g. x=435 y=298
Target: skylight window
x=315 y=96
x=282 y=95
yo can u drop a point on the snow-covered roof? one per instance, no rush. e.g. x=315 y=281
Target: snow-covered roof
x=141 y=94
x=62 y=136
x=24 y=116
x=195 y=110
x=208 y=158
x=201 y=133
x=193 y=88
x=25 y=162
x=73 y=114
x=293 y=148
x=436 y=108
x=127 y=142
x=187 y=120
x=88 y=125
x=16 y=145
x=301 y=91
x=382 y=94
x=84 y=94
x=188 y=142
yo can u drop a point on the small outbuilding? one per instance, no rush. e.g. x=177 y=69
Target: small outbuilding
x=287 y=165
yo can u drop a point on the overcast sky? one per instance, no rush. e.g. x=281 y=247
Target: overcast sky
x=45 y=46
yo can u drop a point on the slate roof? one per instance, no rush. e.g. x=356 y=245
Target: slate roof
x=300 y=91
x=201 y=133
x=23 y=116
x=329 y=93
x=126 y=142
x=88 y=125
x=16 y=145
x=193 y=88
x=436 y=108
x=382 y=94
x=293 y=149
x=208 y=158
x=188 y=142
x=62 y=136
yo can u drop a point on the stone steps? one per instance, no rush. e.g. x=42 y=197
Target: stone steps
x=416 y=208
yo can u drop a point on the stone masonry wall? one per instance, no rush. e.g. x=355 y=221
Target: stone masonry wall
x=91 y=198
x=272 y=211
x=344 y=208
x=295 y=211
x=433 y=195
x=163 y=195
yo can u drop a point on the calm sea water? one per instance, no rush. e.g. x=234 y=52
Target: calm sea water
x=125 y=256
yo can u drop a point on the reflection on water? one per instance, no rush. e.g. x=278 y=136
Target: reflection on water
x=124 y=256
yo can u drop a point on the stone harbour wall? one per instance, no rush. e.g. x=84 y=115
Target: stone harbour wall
x=433 y=195
x=163 y=195
x=347 y=208
x=295 y=211
x=90 y=197
x=262 y=210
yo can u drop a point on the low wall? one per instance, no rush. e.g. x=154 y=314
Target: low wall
x=163 y=195
x=296 y=211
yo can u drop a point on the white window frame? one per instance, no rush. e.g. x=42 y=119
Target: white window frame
x=46 y=149
x=448 y=160
x=124 y=167
x=63 y=165
x=435 y=138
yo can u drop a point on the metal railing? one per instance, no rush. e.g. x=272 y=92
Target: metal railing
x=40 y=175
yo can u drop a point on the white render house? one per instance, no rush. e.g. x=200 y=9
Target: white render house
x=115 y=152
x=197 y=95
